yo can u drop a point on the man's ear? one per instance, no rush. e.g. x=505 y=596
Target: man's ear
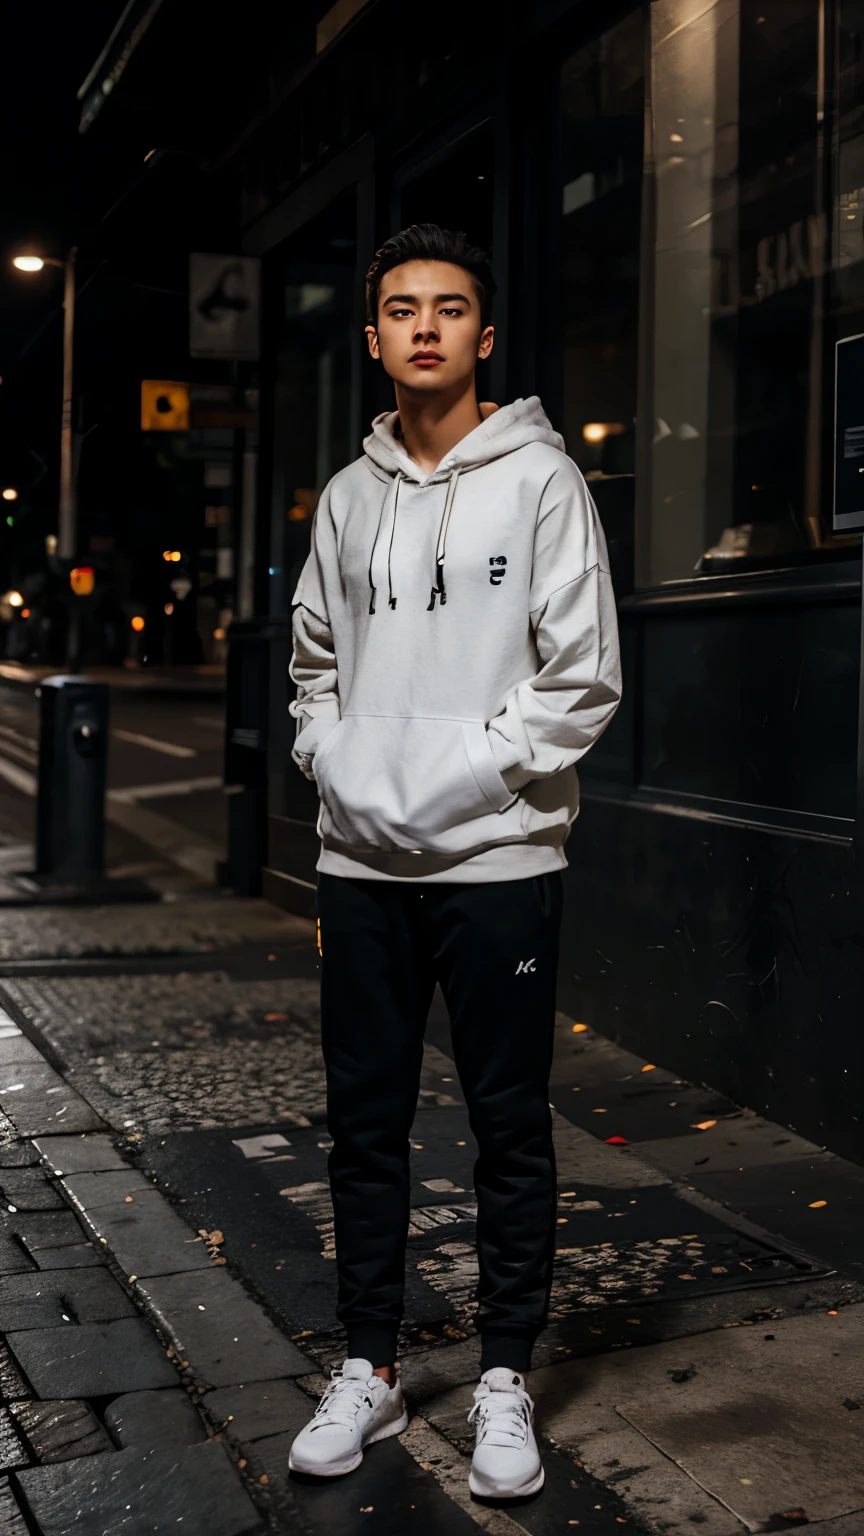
x=487 y=339
x=372 y=338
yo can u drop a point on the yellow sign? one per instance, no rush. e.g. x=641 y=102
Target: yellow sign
x=164 y=406
x=82 y=580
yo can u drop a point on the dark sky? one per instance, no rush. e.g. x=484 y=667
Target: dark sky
x=49 y=189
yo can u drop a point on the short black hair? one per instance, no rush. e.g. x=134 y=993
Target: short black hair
x=428 y=242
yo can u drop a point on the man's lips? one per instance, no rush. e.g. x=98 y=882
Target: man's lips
x=426 y=359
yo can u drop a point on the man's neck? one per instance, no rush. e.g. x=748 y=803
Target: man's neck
x=431 y=426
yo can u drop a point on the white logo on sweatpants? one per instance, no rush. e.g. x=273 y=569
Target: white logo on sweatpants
x=525 y=966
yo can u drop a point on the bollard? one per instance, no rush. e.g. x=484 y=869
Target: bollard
x=73 y=755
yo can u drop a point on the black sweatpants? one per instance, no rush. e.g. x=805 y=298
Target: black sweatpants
x=494 y=950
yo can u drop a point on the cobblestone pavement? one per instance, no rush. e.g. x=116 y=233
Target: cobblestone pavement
x=167 y=1273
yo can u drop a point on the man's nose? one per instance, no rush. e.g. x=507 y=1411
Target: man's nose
x=427 y=328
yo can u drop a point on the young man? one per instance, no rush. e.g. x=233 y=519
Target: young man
x=456 y=652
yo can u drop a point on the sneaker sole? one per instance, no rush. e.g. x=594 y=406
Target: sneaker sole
x=524 y=1492
x=341 y=1469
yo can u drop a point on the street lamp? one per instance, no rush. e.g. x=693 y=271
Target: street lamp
x=66 y=525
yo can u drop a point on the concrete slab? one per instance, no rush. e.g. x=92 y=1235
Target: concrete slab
x=12 y=1452
x=771 y=1432
x=582 y=1158
x=91 y=1190
x=61 y=1431
x=28 y=1189
x=93 y=1359
x=44 y=1229
x=16 y=1047
x=815 y=1358
x=225 y=1336
x=12 y=1521
x=81 y=1255
x=38 y=1100
x=727 y=1145
x=79 y=1154
x=155 y=1421
x=131 y=1494
x=260 y=1409
x=61 y=1298
x=148 y=1237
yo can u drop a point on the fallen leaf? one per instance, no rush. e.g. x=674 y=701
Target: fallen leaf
x=650 y=1067
x=562 y=1221
x=242 y=1462
x=264 y=1479
x=703 y=1125
x=221 y=1260
x=616 y=1141
x=673 y=1103
x=832 y=1314
x=748 y=1483
x=816 y=1205
x=635 y=1322
x=215 y=1237
x=366 y=1509
x=598 y=1111
x=275 y=1018
x=686 y=1277
x=719 y=1269
x=128 y=1200
x=580 y=1029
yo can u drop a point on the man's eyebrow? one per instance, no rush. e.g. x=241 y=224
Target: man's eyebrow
x=440 y=298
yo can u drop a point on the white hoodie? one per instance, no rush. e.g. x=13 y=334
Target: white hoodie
x=456 y=652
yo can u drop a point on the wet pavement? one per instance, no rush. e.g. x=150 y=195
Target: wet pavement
x=167 y=1276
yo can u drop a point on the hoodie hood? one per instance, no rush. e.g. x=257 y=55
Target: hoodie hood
x=505 y=430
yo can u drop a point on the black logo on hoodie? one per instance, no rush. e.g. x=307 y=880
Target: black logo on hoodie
x=497 y=573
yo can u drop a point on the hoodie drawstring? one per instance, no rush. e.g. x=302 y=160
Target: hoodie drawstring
x=373 y=589
x=391 y=508
x=439 y=589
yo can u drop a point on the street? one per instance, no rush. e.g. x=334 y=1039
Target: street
x=164 y=1135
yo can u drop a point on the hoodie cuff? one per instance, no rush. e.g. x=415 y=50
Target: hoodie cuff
x=506 y=760
x=312 y=730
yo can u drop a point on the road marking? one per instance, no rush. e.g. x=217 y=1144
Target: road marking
x=170 y=748
x=162 y=791
x=20 y=740
x=19 y=778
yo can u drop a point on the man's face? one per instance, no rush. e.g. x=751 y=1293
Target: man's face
x=429 y=336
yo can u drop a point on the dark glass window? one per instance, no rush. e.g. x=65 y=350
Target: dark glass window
x=601 y=127
x=734 y=426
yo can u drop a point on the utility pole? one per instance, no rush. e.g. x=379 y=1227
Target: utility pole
x=67 y=532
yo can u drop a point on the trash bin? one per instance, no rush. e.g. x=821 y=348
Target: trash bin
x=73 y=755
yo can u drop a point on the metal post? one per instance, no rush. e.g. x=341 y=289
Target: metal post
x=66 y=530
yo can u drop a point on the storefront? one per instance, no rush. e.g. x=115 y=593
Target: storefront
x=673 y=194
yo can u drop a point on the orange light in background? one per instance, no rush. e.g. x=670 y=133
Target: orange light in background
x=169 y=609
x=596 y=431
x=10 y=494
x=82 y=580
x=137 y=623
x=25 y=613
x=298 y=513
x=218 y=634
x=14 y=599
x=176 y=555
x=166 y=554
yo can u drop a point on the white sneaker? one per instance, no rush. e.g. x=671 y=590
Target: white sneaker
x=506 y=1462
x=356 y=1409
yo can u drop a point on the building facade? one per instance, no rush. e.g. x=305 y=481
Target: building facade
x=673 y=195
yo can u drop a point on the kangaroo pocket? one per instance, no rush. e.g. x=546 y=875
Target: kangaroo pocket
x=390 y=783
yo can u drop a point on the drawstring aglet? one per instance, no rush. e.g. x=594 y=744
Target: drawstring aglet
x=372 y=601
x=431 y=606
x=392 y=602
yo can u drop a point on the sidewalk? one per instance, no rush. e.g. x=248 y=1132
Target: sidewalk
x=163 y=1176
